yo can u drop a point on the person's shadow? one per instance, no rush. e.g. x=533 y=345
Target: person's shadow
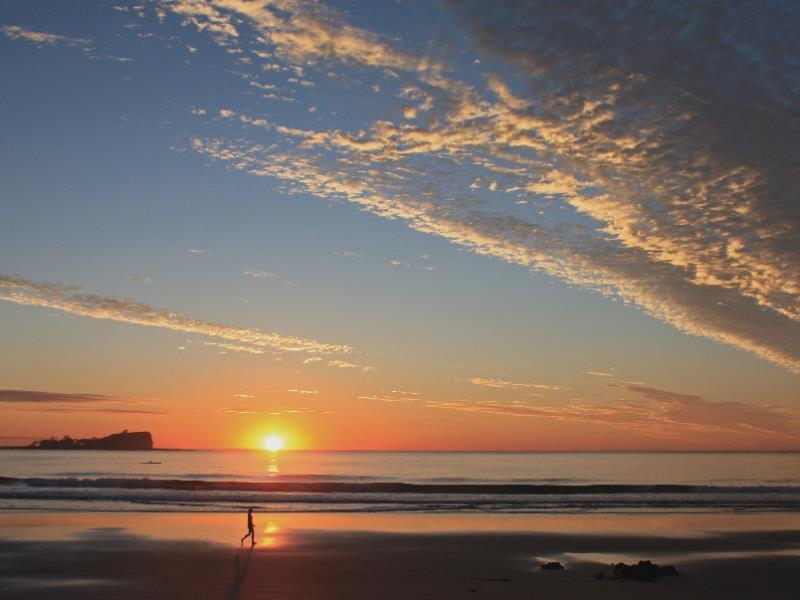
x=240 y=573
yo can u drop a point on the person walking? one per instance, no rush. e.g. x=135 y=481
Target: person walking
x=251 y=528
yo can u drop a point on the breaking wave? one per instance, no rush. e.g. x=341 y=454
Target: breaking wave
x=72 y=493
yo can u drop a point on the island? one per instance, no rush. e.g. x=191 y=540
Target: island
x=125 y=440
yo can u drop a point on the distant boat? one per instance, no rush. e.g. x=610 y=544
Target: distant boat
x=151 y=462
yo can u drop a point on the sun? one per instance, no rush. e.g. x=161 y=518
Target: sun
x=273 y=443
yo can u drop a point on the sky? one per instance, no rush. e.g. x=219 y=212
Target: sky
x=394 y=225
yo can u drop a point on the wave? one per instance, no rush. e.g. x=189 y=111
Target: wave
x=300 y=484
x=384 y=487
x=337 y=496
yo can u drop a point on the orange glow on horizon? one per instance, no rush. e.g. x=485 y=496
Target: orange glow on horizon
x=194 y=421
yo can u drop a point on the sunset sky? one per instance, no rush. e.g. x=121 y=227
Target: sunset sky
x=377 y=224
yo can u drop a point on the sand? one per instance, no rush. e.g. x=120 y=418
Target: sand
x=187 y=556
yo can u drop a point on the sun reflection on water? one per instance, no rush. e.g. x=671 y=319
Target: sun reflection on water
x=273 y=466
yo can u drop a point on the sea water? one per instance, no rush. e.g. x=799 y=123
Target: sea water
x=476 y=482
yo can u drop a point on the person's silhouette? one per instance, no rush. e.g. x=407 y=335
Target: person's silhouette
x=251 y=529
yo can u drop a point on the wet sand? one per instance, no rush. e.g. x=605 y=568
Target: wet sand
x=317 y=557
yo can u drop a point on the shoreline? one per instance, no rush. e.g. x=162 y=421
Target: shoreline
x=189 y=555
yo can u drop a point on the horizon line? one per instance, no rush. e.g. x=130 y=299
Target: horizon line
x=428 y=451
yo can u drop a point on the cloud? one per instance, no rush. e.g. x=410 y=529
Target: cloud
x=276 y=411
x=261 y=274
x=93 y=409
x=392 y=261
x=140 y=278
x=666 y=415
x=111 y=57
x=390 y=399
x=661 y=290
x=410 y=112
x=690 y=147
x=654 y=393
x=41 y=38
x=10 y=395
x=599 y=374
x=41 y=401
x=653 y=413
x=343 y=364
x=296 y=31
x=502 y=384
x=267 y=275
x=691 y=410
x=305 y=392
x=69 y=300
x=205 y=17
x=665 y=177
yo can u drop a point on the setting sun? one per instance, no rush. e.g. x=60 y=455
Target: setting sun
x=273 y=443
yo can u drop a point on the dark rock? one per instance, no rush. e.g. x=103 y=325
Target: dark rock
x=644 y=570
x=552 y=566
x=135 y=440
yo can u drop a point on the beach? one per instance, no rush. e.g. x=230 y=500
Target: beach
x=305 y=556
x=355 y=300
x=395 y=525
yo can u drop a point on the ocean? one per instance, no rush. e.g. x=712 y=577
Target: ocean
x=418 y=482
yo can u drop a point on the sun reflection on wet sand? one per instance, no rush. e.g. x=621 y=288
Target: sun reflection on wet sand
x=269 y=537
